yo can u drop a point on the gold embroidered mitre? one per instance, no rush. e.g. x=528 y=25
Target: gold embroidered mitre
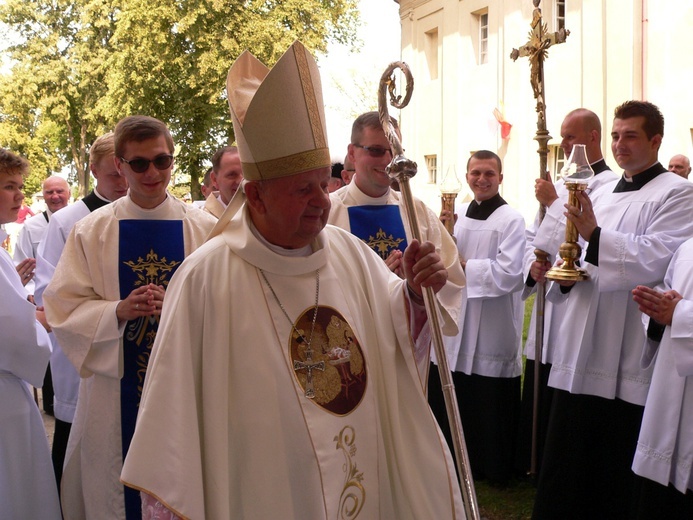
x=278 y=114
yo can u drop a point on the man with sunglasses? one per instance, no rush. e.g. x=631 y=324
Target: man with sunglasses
x=104 y=303
x=370 y=209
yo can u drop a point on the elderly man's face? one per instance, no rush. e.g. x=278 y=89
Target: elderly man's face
x=680 y=165
x=56 y=193
x=291 y=211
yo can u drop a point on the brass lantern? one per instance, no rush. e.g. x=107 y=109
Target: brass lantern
x=576 y=173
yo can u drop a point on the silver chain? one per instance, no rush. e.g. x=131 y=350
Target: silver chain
x=315 y=311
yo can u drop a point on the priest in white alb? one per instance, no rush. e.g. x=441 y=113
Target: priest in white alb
x=283 y=382
x=104 y=302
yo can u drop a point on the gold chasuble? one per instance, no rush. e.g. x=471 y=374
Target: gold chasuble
x=225 y=428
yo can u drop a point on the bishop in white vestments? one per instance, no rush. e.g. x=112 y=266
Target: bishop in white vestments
x=283 y=382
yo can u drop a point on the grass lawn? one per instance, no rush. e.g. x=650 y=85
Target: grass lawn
x=512 y=503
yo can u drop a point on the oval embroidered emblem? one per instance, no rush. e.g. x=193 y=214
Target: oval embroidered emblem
x=335 y=366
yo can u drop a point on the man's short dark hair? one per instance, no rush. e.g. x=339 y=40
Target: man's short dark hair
x=337 y=170
x=654 y=120
x=137 y=129
x=216 y=158
x=483 y=155
x=368 y=120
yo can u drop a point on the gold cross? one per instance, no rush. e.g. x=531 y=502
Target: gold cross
x=536 y=49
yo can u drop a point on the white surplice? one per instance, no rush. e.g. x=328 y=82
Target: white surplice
x=602 y=334
x=213 y=204
x=665 y=446
x=64 y=374
x=27 y=481
x=548 y=235
x=28 y=240
x=489 y=341
x=225 y=430
x=81 y=302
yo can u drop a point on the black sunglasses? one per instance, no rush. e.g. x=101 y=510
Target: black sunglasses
x=140 y=165
x=374 y=151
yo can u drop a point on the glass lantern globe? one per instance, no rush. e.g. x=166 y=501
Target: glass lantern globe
x=578 y=168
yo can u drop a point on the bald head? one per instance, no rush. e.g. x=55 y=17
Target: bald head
x=56 y=193
x=582 y=126
x=680 y=165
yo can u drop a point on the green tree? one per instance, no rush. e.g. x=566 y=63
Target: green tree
x=87 y=63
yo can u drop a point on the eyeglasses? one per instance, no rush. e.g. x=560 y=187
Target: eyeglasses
x=374 y=151
x=141 y=165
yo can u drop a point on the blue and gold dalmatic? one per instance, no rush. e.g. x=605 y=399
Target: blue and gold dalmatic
x=380 y=227
x=149 y=251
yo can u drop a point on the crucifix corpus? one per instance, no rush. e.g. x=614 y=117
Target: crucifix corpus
x=309 y=365
x=536 y=49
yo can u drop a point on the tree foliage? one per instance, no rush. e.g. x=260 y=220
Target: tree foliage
x=79 y=66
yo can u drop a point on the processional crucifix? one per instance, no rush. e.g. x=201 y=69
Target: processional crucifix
x=536 y=49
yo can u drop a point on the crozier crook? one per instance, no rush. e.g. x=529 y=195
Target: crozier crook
x=402 y=169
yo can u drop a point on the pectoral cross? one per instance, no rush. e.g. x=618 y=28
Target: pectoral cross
x=309 y=366
x=536 y=49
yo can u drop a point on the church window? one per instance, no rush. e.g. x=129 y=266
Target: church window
x=431 y=53
x=432 y=168
x=482 y=19
x=559 y=14
x=558 y=162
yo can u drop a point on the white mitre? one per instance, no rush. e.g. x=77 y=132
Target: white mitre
x=278 y=119
x=278 y=115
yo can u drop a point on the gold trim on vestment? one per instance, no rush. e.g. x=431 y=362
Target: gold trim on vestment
x=353 y=495
x=309 y=97
x=289 y=165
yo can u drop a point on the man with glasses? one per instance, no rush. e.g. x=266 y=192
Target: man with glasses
x=370 y=209
x=104 y=303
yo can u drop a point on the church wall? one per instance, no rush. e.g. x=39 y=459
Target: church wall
x=610 y=56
